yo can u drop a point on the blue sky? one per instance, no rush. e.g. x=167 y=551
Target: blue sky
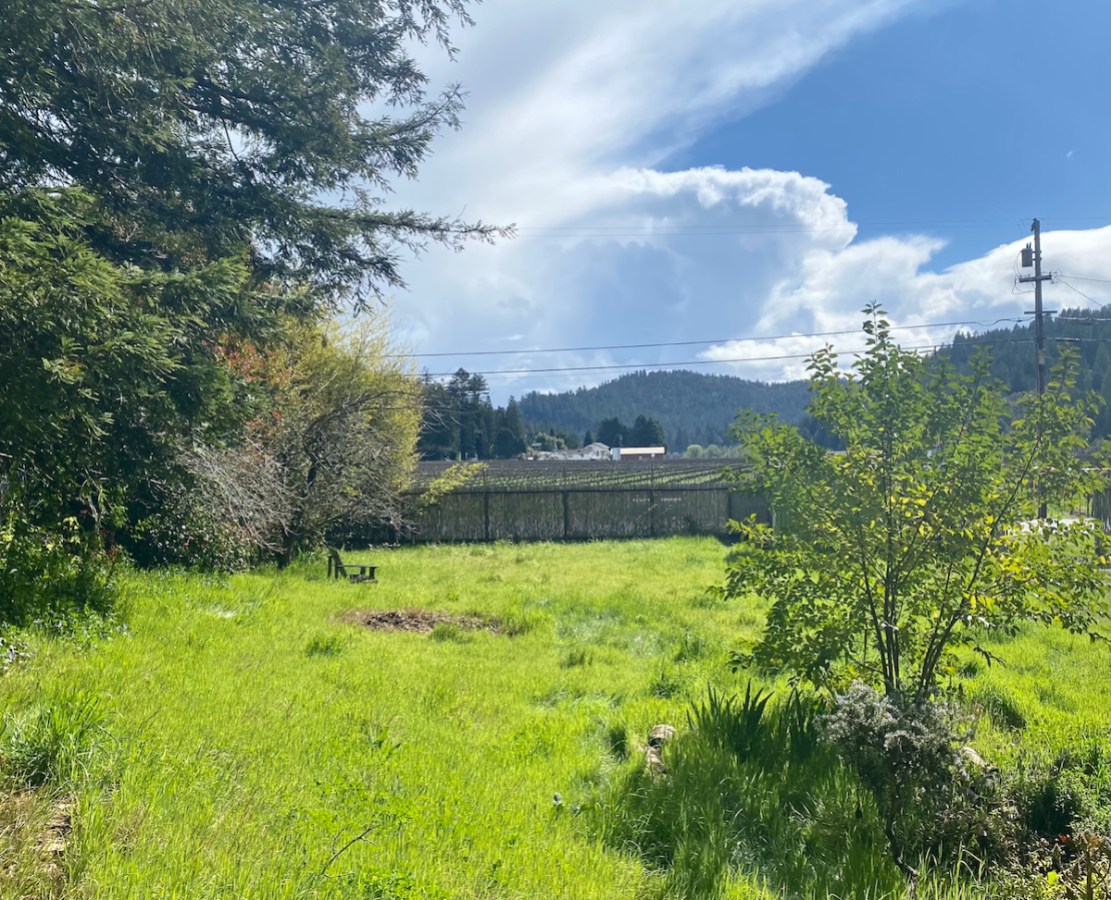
x=964 y=115
x=740 y=174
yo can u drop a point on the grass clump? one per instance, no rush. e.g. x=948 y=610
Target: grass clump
x=692 y=646
x=666 y=683
x=1000 y=704
x=517 y=623
x=449 y=632
x=324 y=645
x=576 y=657
x=52 y=743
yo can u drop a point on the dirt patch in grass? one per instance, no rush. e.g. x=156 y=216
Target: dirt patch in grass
x=418 y=621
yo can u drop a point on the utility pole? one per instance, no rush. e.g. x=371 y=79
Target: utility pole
x=1034 y=257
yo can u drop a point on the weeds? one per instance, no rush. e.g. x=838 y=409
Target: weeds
x=324 y=645
x=53 y=743
x=449 y=632
x=577 y=656
x=736 y=726
x=256 y=746
x=666 y=683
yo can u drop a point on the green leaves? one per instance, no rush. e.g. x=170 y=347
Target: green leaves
x=909 y=541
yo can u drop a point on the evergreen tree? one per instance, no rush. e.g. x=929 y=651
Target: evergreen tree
x=209 y=129
x=612 y=433
x=646 y=432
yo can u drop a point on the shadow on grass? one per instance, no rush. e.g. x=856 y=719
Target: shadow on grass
x=750 y=791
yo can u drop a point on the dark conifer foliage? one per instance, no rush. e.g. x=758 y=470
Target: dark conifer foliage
x=208 y=128
x=1086 y=332
x=689 y=407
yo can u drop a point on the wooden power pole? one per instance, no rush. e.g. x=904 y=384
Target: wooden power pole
x=1034 y=257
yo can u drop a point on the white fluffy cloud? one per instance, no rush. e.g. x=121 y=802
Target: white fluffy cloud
x=573 y=107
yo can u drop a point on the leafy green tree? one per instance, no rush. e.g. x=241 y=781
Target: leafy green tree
x=342 y=433
x=210 y=128
x=915 y=538
x=548 y=443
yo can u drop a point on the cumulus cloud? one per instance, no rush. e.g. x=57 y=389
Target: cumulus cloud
x=574 y=109
x=832 y=287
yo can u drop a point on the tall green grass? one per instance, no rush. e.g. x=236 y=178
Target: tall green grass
x=240 y=739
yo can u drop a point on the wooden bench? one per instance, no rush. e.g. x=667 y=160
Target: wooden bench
x=337 y=568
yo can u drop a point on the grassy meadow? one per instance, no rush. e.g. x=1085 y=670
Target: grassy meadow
x=249 y=737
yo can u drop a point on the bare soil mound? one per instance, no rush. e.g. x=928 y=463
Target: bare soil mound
x=420 y=621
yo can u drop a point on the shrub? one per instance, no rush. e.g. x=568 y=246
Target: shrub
x=932 y=802
x=185 y=532
x=43 y=572
x=12 y=649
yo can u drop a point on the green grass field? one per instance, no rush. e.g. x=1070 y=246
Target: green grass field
x=247 y=738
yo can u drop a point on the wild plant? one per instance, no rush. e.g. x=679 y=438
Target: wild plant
x=53 y=743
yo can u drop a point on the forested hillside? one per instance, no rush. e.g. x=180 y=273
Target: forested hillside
x=696 y=408
x=1087 y=332
x=692 y=407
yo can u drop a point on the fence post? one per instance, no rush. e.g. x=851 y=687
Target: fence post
x=486 y=515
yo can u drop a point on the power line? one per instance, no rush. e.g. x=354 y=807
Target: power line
x=708 y=230
x=774 y=337
x=1083 y=278
x=1080 y=292
x=698 y=362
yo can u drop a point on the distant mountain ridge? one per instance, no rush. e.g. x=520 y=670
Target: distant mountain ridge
x=696 y=408
x=692 y=407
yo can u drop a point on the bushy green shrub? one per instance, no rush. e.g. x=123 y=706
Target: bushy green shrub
x=46 y=573
x=13 y=648
x=933 y=800
x=184 y=532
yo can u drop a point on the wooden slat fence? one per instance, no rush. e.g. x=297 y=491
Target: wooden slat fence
x=583 y=501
